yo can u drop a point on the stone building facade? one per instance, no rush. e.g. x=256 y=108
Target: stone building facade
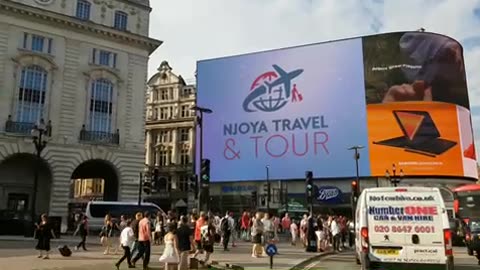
x=79 y=68
x=170 y=136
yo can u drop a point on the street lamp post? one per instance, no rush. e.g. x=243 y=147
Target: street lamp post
x=268 y=188
x=394 y=178
x=201 y=190
x=38 y=133
x=356 y=156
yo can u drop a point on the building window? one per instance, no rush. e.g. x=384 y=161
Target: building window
x=187 y=91
x=164 y=136
x=104 y=58
x=83 y=10
x=184 y=157
x=121 y=20
x=183 y=183
x=185 y=111
x=88 y=188
x=184 y=136
x=37 y=43
x=32 y=94
x=164 y=94
x=165 y=157
x=163 y=113
x=101 y=106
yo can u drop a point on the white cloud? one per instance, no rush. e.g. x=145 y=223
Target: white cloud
x=202 y=29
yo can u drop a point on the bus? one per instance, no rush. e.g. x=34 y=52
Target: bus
x=467 y=201
x=97 y=210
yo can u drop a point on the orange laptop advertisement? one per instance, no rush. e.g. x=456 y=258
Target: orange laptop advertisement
x=421 y=137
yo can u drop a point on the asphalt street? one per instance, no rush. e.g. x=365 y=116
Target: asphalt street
x=21 y=255
x=346 y=261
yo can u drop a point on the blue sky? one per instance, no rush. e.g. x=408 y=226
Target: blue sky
x=202 y=29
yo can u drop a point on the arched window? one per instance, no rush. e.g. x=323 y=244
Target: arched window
x=83 y=10
x=101 y=106
x=121 y=20
x=32 y=94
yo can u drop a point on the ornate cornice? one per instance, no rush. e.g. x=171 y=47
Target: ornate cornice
x=129 y=2
x=65 y=21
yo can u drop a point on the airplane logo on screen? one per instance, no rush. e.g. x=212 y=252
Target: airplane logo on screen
x=272 y=90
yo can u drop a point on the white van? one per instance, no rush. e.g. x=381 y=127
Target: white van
x=97 y=210
x=403 y=227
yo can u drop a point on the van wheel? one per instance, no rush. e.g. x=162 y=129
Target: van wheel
x=470 y=251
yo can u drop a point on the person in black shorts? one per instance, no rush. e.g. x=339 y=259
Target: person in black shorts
x=257 y=232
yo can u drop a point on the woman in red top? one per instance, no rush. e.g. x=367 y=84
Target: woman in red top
x=198 y=233
x=245 y=226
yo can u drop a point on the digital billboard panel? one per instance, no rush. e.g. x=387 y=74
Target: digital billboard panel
x=300 y=109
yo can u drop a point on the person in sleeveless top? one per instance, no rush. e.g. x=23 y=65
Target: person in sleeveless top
x=170 y=254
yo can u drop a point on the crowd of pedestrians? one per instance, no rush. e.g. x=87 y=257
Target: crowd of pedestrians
x=197 y=236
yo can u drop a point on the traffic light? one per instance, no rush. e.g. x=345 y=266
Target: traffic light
x=155 y=186
x=265 y=188
x=147 y=186
x=205 y=171
x=254 y=198
x=355 y=189
x=309 y=185
x=193 y=185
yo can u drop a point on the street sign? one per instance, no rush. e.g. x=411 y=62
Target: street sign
x=271 y=251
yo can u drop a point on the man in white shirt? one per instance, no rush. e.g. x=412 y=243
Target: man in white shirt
x=335 y=229
x=269 y=228
x=227 y=225
x=127 y=238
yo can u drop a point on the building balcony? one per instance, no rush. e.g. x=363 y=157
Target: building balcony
x=25 y=128
x=99 y=137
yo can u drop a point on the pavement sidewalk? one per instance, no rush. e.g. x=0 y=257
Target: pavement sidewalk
x=288 y=257
x=64 y=239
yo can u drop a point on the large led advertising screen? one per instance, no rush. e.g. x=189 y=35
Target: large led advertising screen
x=403 y=96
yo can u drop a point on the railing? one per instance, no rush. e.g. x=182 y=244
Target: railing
x=25 y=128
x=99 y=137
x=22 y=128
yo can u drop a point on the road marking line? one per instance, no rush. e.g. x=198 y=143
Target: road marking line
x=310 y=266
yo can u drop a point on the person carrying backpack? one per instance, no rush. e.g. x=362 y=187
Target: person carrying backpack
x=227 y=226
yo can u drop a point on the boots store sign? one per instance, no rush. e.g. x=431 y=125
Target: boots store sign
x=329 y=194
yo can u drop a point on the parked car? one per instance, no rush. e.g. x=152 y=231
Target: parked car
x=459 y=231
